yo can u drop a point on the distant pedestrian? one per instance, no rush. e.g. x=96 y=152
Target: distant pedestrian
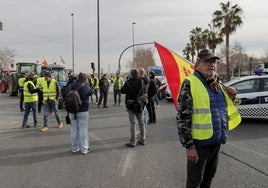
x=30 y=100
x=79 y=121
x=146 y=85
x=51 y=94
x=104 y=88
x=152 y=92
x=134 y=88
x=39 y=84
x=94 y=83
x=118 y=83
x=21 y=83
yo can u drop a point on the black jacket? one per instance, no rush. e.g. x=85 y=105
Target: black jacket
x=132 y=88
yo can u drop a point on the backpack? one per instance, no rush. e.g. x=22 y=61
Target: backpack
x=73 y=101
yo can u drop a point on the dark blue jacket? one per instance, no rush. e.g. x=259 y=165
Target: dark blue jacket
x=84 y=92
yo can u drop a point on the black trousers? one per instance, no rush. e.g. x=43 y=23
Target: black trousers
x=104 y=96
x=21 y=100
x=202 y=173
x=96 y=94
x=40 y=100
x=151 y=110
x=117 y=93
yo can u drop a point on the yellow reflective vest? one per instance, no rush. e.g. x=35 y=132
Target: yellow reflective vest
x=120 y=81
x=29 y=97
x=50 y=92
x=202 y=127
x=21 y=82
x=97 y=82
x=40 y=81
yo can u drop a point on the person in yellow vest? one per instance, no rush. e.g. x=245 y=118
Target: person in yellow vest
x=39 y=84
x=118 y=83
x=94 y=82
x=20 y=83
x=205 y=115
x=30 y=100
x=51 y=94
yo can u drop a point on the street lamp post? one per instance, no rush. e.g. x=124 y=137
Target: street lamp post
x=98 y=35
x=73 y=41
x=133 y=23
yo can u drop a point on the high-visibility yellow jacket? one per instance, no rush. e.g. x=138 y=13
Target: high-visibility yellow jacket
x=40 y=81
x=21 y=82
x=29 y=97
x=95 y=85
x=202 y=127
x=120 y=81
x=50 y=92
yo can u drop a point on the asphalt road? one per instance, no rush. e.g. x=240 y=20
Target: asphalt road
x=31 y=159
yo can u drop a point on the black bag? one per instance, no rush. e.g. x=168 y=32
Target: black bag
x=137 y=105
x=73 y=101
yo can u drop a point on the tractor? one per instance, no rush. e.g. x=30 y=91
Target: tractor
x=12 y=80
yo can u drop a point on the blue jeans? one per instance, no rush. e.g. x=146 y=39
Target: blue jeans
x=156 y=99
x=51 y=106
x=28 y=107
x=131 y=117
x=145 y=117
x=79 y=131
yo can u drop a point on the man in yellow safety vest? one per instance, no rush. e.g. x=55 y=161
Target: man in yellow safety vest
x=51 y=94
x=30 y=100
x=206 y=112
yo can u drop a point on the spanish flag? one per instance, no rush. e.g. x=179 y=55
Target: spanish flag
x=176 y=70
x=44 y=62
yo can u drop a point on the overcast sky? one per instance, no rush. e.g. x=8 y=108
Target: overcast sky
x=43 y=28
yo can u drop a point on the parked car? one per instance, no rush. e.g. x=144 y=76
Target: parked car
x=252 y=95
x=168 y=94
x=162 y=83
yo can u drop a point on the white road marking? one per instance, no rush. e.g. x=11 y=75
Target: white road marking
x=128 y=162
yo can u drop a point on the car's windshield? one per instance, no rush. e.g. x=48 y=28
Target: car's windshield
x=59 y=75
x=27 y=68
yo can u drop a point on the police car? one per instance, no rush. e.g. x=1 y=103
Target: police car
x=252 y=96
x=168 y=94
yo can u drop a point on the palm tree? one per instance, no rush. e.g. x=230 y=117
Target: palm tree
x=213 y=37
x=227 y=20
x=196 y=38
x=189 y=52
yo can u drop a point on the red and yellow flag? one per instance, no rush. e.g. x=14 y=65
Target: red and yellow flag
x=176 y=70
x=44 y=62
x=62 y=60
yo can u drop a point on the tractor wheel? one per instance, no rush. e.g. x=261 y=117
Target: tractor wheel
x=3 y=86
x=13 y=91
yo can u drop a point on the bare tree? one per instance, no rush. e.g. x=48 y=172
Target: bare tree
x=143 y=58
x=7 y=57
x=237 y=58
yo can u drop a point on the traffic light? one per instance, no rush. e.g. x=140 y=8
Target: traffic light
x=92 y=65
x=1 y=26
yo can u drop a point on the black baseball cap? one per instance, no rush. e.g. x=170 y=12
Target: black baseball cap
x=207 y=54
